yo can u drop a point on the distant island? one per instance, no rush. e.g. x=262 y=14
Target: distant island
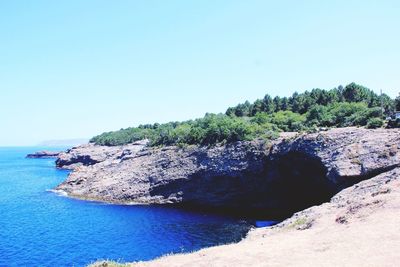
x=43 y=154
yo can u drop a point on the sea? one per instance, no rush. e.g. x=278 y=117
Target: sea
x=41 y=228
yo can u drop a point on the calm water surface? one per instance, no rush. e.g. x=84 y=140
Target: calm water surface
x=40 y=228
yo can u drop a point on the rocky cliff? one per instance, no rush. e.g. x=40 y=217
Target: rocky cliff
x=359 y=226
x=270 y=179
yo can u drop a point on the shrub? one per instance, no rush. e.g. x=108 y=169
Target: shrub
x=374 y=123
x=320 y=116
x=342 y=114
x=282 y=120
x=210 y=130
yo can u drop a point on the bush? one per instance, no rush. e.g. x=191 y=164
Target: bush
x=320 y=116
x=287 y=121
x=210 y=130
x=374 y=123
x=342 y=115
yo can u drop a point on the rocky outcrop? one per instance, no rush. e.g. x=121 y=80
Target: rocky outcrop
x=272 y=179
x=90 y=154
x=205 y=177
x=347 y=154
x=43 y=154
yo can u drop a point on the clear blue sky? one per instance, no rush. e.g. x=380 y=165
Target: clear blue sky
x=72 y=69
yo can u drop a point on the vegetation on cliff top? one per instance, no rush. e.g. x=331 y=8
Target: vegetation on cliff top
x=353 y=105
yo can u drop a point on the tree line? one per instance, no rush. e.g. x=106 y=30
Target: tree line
x=352 y=105
x=302 y=103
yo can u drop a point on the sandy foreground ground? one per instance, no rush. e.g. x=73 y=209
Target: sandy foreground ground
x=360 y=228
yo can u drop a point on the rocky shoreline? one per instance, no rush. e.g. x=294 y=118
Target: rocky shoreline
x=350 y=177
x=258 y=178
x=360 y=226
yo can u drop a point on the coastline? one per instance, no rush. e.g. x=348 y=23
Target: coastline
x=339 y=161
x=360 y=226
x=95 y=199
x=251 y=177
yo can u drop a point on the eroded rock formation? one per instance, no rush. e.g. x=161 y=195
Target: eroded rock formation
x=265 y=178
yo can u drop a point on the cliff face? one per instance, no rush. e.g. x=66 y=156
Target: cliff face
x=273 y=179
x=360 y=226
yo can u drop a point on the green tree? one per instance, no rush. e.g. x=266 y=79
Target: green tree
x=277 y=103
x=356 y=93
x=269 y=105
x=242 y=110
x=258 y=106
x=388 y=104
x=285 y=105
x=397 y=104
x=230 y=111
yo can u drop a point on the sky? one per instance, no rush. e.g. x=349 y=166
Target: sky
x=74 y=69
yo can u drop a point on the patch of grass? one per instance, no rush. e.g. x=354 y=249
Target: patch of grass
x=301 y=223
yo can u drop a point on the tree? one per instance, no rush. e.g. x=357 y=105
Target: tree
x=258 y=106
x=242 y=110
x=269 y=106
x=335 y=95
x=285 y=104
x=230 y=111
x=398 y=102
x=388 y=104
x=318 y=96
x=356 y=93
x=277 y=103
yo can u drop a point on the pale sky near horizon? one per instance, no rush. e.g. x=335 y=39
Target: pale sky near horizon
x=74 y=69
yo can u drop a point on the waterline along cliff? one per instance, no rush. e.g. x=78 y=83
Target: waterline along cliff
x=263 y=179
x=359 y=226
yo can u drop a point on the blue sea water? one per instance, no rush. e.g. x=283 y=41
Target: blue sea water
x=41 y=228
